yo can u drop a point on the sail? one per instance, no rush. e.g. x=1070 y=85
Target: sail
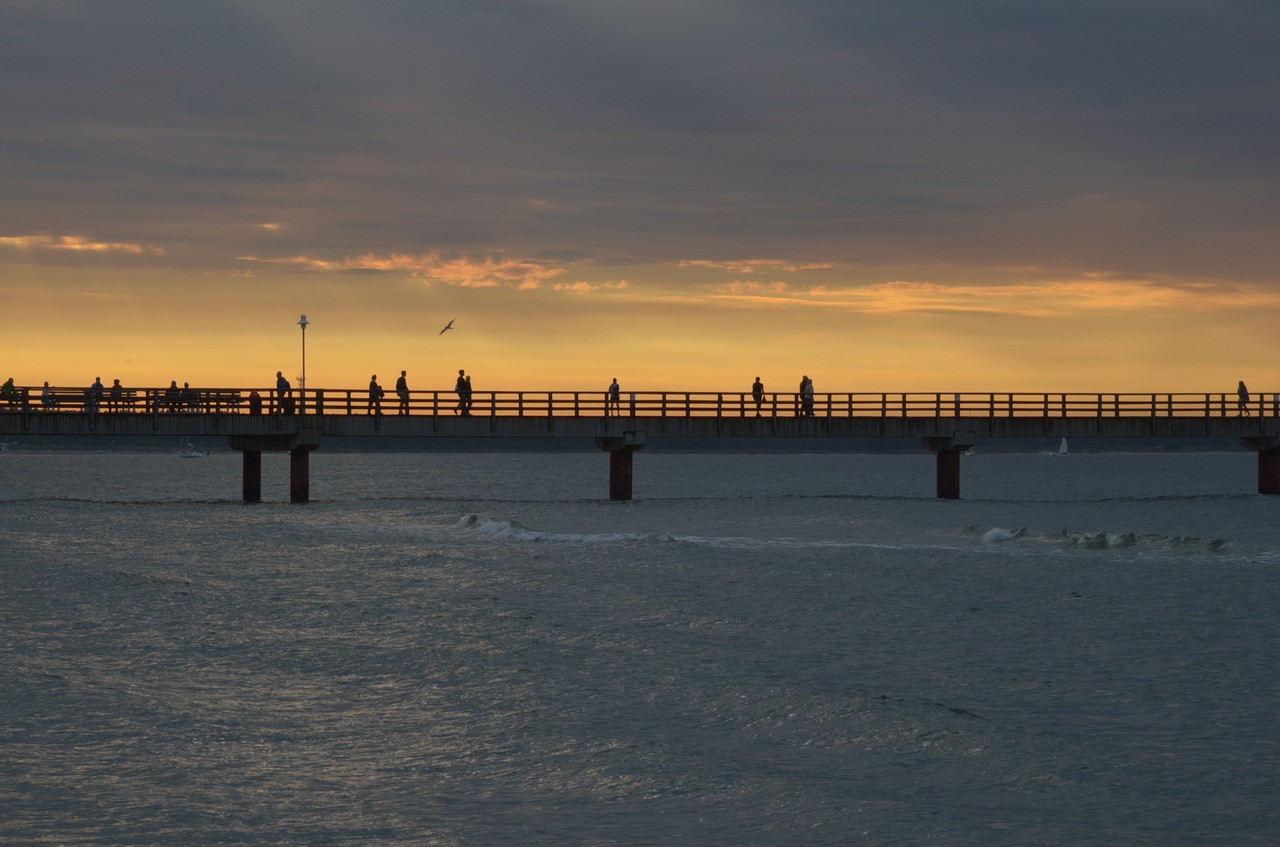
x=1062 y=448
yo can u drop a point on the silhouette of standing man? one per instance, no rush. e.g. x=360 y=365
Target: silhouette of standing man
x=375 y=396
x=1242 y=397
x=613 y=399
x=284 y=400
x=463 y=387
x=757 y=394
x=402 y=390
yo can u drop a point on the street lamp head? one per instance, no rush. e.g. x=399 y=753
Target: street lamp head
x=302 y=322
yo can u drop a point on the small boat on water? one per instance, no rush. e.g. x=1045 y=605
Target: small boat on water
x=189 y=451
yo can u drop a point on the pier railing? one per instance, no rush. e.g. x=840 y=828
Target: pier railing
x=645 y=404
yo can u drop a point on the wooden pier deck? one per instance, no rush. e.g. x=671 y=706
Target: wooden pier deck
x=947 y=423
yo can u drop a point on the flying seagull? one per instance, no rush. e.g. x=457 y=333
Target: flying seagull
x=447 y=327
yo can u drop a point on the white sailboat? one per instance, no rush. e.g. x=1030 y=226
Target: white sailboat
x=189 y=451
x=1062 y=448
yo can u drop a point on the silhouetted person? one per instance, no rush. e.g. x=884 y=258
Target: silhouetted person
x=757 y=394
x=806 y=397
x=402 y=391
x=190 y=398
x=117 y=396
x=95 y=396
x=171 y=396
x=613 y=398
x=1242 y=397
x=10 y=392
x=375 y=396
x=46 y=397
x=284 y=395
x=463 y=387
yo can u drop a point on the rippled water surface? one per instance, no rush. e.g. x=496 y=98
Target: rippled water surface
x=481 y=649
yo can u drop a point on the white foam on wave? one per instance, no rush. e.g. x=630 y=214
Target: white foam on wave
x=996 y=535
x=516 y=531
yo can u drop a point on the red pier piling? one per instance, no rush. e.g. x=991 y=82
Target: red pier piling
x=300 y=475
x=621 y=447
x=948 y=449
x=252 y=463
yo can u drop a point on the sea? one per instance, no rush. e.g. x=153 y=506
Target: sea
x=480 y=648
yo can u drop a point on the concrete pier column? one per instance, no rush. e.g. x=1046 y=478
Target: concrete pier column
x=300 y=475
x=620 y=475
x=252 y=476
x=948 y=474
x=621 y=447
x=948 y=449
x=1268 y=450
x=1269 y=471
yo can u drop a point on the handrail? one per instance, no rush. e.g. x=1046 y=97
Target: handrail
x=648 y=404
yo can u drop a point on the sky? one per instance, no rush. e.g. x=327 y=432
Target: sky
x=908 y=195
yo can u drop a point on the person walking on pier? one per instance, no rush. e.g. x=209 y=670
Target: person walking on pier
x=1242 y=398
x=613 y=398
x=463 y=387
x=375 y=396
x=806 y=397
x=757 y=394
x=402 y=391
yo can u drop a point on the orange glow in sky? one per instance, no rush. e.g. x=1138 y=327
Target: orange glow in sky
x=684 y=196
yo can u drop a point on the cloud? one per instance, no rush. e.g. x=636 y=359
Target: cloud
x=523 y=274
x=754 y=266
x=582 y=287
x=747 y=287
x=1087 y=294
x=76 y=244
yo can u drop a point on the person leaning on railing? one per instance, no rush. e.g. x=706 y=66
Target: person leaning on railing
x=9 y=393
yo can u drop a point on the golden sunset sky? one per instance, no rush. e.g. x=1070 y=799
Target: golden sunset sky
x=914 y=195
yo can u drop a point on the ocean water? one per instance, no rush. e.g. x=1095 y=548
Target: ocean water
x=760 y=649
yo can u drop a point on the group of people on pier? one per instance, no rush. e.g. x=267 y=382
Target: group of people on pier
x=462 y=387
x=188 y=399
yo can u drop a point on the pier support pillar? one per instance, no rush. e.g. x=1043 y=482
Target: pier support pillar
x=300 y=475
x=299 y=445
x=621 y=447
x=1268 y=450
x=252 y=476
x=1269 y=471
x=948 y=474
x=948 y=449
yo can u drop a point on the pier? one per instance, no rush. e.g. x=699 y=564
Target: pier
x=946 y=424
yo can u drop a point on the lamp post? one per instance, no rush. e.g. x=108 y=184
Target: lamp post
x=302 y=380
